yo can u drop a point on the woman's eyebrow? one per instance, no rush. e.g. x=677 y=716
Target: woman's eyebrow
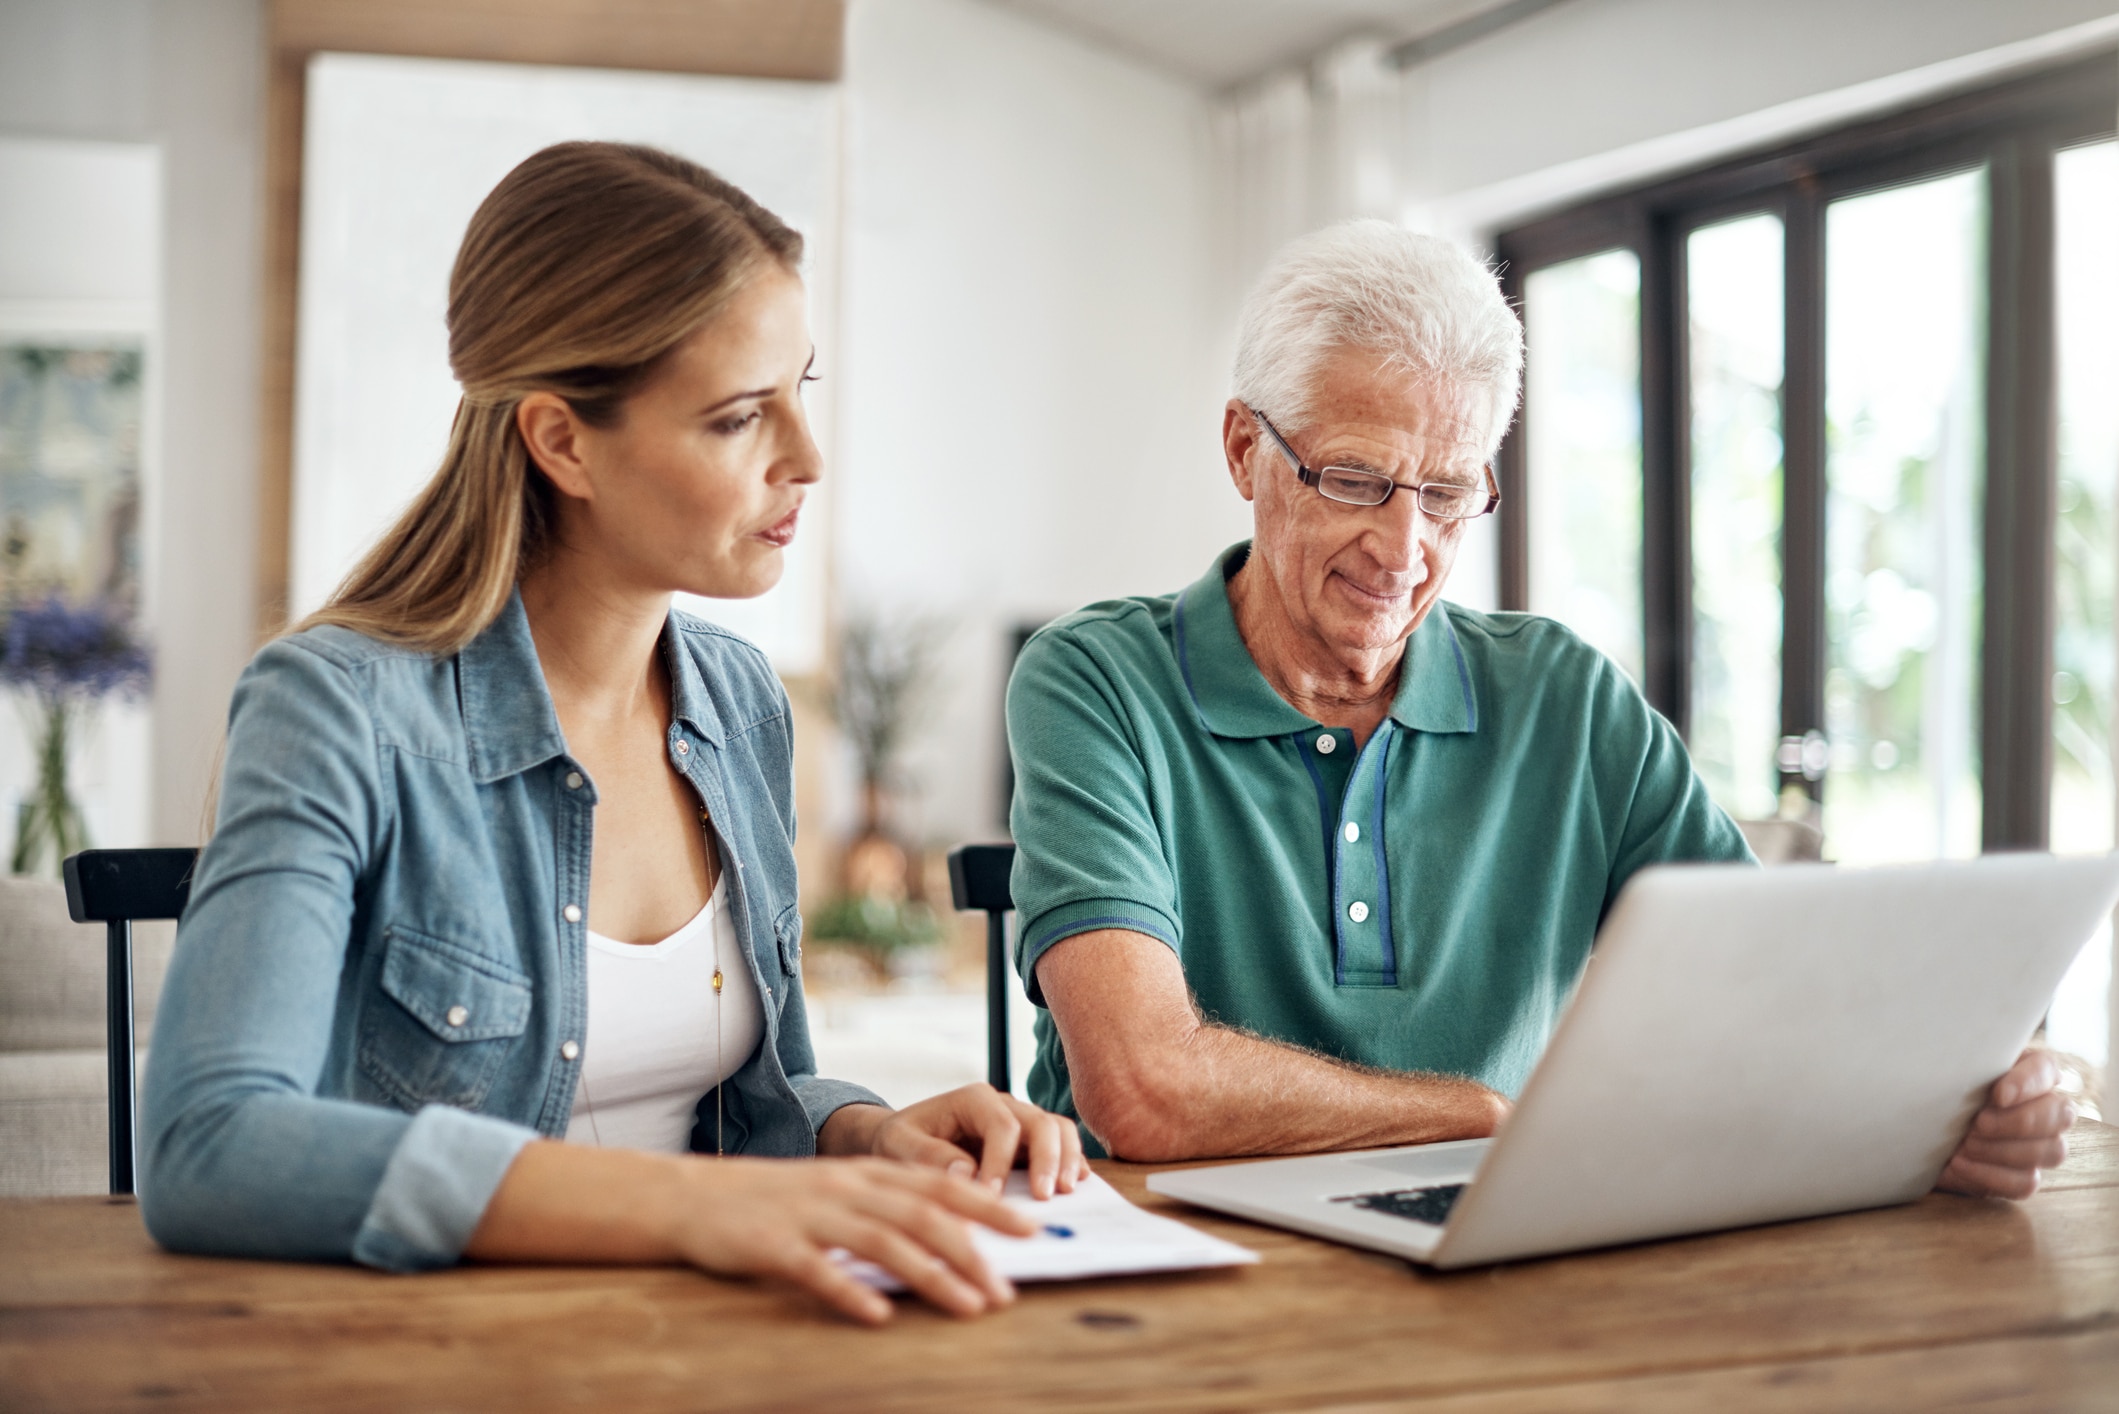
x=713 y=408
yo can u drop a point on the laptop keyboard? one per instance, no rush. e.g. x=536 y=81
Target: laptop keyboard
x=1420 y=1205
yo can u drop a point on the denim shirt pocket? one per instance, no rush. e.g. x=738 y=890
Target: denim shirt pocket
x=446 y=1021
x=787 y=931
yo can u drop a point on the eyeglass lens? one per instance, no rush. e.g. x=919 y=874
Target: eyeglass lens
x=1368 y=488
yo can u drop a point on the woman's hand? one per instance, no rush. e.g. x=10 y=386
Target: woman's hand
x=781 y=1218
x=976 y=1132
x=752 y=1217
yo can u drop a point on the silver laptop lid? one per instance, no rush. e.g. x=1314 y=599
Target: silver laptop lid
x=1750 y=1045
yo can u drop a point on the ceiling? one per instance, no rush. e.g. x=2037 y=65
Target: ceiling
x=1217 y=43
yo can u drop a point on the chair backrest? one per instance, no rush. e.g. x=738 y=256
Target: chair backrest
x=978 y=879
x=128 y=885
x=118 y=887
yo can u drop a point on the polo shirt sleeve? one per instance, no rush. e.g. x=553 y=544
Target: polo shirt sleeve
x=1660 y=812
x=1090 y=848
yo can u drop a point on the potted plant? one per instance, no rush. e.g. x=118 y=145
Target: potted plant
x=63 y=660
x=884 y=675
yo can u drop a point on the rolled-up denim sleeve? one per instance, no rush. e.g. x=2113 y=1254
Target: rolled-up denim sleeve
x=239 y=1154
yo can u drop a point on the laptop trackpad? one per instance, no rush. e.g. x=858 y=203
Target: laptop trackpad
x=1434 y=1163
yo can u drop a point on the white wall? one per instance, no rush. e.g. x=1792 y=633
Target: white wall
x=398 y=155
x=1594 y=78
x=80 y=265
x=186 y=75
x=1030 y=396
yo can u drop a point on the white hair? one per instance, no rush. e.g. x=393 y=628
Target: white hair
x=1418 y=302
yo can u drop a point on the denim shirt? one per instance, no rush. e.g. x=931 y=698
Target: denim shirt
x=379 y=988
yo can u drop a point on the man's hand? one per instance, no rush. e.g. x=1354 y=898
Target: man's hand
x=2020 y=1131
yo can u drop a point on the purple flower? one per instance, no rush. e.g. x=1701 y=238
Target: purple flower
x=61 y=652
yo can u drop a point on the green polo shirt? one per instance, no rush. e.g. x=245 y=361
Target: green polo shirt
x=1425 y=903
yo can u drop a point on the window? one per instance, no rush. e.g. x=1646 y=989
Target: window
x=1852 y=398
x=1584 y=445
x=1733 y=330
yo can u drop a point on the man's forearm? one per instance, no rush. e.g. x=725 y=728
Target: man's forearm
x=1228 y=1094
x=1155 y=1082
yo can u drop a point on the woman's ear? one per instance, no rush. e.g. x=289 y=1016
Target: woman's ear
x=554 y=434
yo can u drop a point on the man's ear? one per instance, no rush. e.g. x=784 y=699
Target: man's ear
x=1239 y=433
x=552 y=431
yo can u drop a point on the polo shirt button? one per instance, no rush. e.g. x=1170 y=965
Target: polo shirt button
x=573 y=780
x=1327 y=744
x=569 y=1050
x=1352 y=832
x=1358 y=911
x=572 y=913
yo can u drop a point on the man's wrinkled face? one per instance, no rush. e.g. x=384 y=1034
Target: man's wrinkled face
x=1359 y=579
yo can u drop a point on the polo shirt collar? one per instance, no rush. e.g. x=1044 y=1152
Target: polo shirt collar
x=1234 y=699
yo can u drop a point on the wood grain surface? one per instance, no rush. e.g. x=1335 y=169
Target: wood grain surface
x=1942 y=1304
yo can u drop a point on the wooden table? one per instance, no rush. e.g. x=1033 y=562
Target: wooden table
x=1945 y=1303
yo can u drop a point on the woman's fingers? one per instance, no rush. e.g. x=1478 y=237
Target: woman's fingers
x=961 y=1196
x=1074 y=1165
x=918 y=1267
x=915 y=1146
x=1000 y=1133
x=941 y=1233
x=1047 y=1151
x=810 y=1267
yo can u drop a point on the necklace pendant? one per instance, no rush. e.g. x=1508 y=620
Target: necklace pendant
x=717 y=981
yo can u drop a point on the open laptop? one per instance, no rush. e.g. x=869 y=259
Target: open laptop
x=1745 y=1046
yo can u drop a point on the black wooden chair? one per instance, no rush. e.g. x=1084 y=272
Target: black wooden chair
x=119 y=887
x=978 y=879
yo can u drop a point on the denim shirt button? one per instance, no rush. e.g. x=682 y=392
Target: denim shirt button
x=573 y=780
x=684 y=748
x=569 y=1050
x=572 y=913
x=458 y=1015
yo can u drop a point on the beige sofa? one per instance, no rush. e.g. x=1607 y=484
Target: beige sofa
x=53 y=1135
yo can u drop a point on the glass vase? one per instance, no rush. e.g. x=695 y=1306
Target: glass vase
x=48 y=823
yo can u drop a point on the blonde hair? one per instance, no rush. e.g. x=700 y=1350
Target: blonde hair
x=579 y=274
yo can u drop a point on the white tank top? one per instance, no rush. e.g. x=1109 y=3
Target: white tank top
x=652 y=1049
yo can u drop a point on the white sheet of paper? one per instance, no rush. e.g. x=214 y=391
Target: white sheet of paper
x=1091 y=1232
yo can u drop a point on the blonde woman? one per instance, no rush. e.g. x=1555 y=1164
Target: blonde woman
x=494 y=952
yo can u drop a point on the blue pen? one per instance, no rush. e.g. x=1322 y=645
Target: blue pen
x=1057 y=1231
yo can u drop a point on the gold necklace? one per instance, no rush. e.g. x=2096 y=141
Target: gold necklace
x=713 y=923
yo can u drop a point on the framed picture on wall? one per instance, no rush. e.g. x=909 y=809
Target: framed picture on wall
x=71 y=410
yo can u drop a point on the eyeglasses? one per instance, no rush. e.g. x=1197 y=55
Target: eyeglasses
x=1439 y=500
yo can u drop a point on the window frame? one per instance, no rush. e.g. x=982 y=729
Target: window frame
x=2013 y=129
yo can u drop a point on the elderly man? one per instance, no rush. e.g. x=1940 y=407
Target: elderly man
x=1307 y=857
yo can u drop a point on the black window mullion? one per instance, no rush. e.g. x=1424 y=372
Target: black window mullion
x=1666 y=521
x=2016 y=639
x=1803 y=475
x=1512 y=462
